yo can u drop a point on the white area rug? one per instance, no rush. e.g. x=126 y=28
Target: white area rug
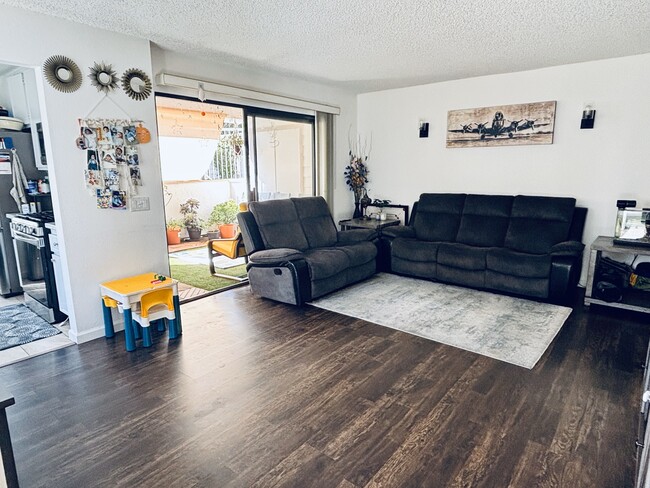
x=513 y=330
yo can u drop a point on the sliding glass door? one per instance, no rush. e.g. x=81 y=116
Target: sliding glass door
x=281 y=155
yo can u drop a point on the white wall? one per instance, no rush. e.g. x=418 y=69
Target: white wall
x=208 y=192
x=185 y=158
x=166 y=61
x=597 y=167
x=97 y=245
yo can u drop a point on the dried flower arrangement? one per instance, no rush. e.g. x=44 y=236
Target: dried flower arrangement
x=356 y=172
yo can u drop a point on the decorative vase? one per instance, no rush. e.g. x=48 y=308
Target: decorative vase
x=357 y=204
x=365 y=201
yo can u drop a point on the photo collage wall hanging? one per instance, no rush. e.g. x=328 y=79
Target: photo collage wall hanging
x=112 y=161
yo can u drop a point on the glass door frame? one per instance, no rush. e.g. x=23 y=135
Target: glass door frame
x=251 y=155
x=250 y=166
x=251 y=152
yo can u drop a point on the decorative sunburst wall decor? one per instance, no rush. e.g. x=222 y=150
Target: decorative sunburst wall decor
x=62 y=73
x=103 y=77
x=136 y=84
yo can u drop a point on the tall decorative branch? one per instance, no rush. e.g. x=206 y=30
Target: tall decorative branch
x=356 y=172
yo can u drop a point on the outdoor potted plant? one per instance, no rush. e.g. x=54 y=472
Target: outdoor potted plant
x=191 y=219
x=174 y=227
x=224 y=215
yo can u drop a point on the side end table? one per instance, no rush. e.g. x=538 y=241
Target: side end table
x=636 y=300
x=372 y=224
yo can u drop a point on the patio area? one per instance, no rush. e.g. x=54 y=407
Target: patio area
x=189 y=263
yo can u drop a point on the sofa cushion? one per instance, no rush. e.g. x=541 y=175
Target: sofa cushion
x=355 y=235
x=532 y=287
x=485 y=220
x=414 y=250
x=278 y=224
x=359 y=253
x=513 y=263
x=420 y=269
x=438 y=216
x=316 y=220
x=458 y=276
x=326 y=262
x=538 y=223
x=462 y=256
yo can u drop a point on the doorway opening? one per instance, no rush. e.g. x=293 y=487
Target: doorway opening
x=204 y=179
x=215 y=158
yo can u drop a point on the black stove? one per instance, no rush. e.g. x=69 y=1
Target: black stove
x=34 y=263
x=40 y=217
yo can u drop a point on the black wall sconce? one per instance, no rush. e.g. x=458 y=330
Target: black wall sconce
x=424 y=129
x=588 y=117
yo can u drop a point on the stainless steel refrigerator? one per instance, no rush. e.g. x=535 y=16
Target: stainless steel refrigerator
x=22 y=142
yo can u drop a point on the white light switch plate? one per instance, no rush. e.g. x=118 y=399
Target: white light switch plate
x=140 y=204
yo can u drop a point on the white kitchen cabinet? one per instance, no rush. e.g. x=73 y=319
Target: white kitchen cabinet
x=25 y=106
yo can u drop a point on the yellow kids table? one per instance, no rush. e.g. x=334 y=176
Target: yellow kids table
x=127 y=292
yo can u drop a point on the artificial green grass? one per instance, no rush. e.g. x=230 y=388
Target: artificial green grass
x=198 y=275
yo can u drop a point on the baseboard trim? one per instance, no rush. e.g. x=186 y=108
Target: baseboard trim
x=92 y=334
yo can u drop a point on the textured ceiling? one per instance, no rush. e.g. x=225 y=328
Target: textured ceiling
x=372 y=44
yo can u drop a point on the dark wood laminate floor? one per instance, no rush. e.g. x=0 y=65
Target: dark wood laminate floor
x=262 y=394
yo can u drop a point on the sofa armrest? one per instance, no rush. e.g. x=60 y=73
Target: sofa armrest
x=566 y=266
x=250 y=232
x=275 y=256
x=398 y=231
x=355 y=235
x=567 y=248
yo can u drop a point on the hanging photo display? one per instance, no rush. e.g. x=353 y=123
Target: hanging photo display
x=112 y=163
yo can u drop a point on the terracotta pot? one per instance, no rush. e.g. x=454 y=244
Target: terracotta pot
x=227 y=231
x=173 y=236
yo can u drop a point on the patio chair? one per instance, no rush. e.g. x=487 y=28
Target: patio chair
x=232 y=248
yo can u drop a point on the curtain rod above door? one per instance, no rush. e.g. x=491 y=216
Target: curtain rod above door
x=166 y=79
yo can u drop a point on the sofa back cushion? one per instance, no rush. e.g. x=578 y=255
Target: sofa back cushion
x=438 y=216
x=279 y=225
x=485 y=220
x=538 y=223
x=316 y=220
